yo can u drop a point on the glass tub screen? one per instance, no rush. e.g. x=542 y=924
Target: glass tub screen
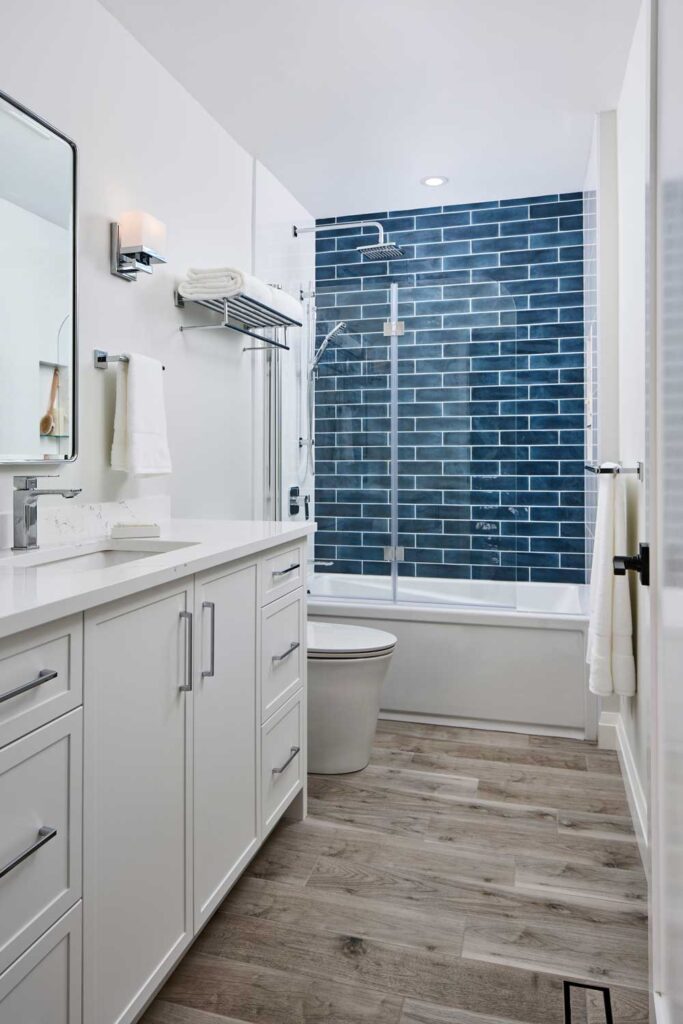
x=449 y=413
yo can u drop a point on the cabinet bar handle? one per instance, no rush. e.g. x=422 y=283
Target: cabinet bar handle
x=283 y=572
x=44 y=676
x=277 y=658
x=188 y=651
x=45 y=834
x=212 y=608
x=293 y=751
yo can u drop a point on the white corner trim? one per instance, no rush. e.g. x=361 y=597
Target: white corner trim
x=612 y=736
x=634 y=789
x=663 y=1014
x=607 y=730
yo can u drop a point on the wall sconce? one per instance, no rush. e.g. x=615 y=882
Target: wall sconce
x=136 y=243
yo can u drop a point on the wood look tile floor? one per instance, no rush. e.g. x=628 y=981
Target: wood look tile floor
x=456 y=880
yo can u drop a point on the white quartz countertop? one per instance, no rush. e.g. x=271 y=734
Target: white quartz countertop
x=30 y=595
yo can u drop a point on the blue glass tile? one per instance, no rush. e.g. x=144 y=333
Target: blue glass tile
x=506 y=213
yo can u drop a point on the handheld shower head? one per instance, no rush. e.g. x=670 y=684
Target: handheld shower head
x=325 y=342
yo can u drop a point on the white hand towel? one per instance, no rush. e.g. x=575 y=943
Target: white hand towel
x=610 y=644
x=140 y=444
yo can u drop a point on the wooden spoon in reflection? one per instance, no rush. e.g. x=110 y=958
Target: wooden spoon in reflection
x=47 y=422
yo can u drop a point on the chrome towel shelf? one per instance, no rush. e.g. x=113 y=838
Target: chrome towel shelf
x=631 y=470
x=102 y=359
x=242 y=313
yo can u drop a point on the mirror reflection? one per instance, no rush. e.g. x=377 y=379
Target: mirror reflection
x=37 y=269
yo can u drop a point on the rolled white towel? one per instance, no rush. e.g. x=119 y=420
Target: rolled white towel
x=225 y=282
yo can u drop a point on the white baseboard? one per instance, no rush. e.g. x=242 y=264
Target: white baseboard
x=482 y=723
x=663 y=1013
x=612 y=736
x=607 y=730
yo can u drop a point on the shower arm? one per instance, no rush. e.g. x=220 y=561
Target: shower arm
x=296 y=231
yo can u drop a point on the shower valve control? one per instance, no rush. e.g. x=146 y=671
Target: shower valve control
x=295 y=500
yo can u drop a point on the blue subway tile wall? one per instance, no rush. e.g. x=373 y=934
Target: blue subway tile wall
x=490 y=393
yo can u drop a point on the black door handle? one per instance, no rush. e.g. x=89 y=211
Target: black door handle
x=634 y=563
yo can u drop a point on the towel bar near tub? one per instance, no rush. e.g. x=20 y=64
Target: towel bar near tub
x=632 y=470
x=102 y=359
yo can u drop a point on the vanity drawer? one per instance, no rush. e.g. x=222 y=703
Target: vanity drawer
x=283 y=651
x=40 y=840
x=283 y=760
x=282 y=573
x=41 y=676
x=44 y=985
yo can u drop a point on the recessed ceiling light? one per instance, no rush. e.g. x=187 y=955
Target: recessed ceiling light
x=434 y=180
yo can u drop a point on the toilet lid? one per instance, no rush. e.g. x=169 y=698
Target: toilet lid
x=335 y=638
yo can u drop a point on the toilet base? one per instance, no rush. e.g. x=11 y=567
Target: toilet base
x=343 y=706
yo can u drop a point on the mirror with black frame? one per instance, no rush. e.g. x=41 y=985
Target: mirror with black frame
x=38 y=364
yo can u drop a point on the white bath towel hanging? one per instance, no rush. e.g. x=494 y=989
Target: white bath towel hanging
x=610 y=631
x=140 y=444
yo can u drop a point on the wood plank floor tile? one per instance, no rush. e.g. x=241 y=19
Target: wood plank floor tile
x=485 y=835
x=454 y=733
x=601 y=883
x=541 y=776
x=162 y=1012
x=597 y=956
x=457 y=880
x=601 y=826
x=516 y=754
x=261 y=995
x=322 y=912
x=416 y=1012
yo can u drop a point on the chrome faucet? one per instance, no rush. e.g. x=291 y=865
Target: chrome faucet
x=26 y=496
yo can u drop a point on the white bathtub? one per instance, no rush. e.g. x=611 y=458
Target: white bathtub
x=489 y=655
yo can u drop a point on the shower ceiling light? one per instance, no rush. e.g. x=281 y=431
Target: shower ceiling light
x=434 y=180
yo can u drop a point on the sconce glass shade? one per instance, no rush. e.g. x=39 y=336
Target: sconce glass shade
x=142 y=234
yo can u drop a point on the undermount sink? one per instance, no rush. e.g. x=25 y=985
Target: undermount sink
x=87 y=557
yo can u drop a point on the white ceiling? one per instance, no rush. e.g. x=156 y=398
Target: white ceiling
x=350 y=102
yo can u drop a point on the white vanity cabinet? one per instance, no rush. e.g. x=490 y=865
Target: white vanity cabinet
x=148 y=744
x=138 y=797
x=226 y=797
x=187 y=736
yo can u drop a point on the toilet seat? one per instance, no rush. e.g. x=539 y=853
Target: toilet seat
x=335 y=640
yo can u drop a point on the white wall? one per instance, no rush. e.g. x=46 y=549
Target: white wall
x=144 y=143
x=633 y=154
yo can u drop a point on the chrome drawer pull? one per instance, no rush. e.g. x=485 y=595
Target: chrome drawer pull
x=206 y=672
x=277 y=658
x=45 y=834
x=283 y=572
x=44 y=676
x=293 y=751
x=187 y=686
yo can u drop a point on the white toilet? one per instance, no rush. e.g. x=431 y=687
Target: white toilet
x=347 y=666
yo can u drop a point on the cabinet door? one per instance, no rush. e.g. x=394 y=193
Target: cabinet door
x=44 y=985
x=225 y=733
x=138 y=814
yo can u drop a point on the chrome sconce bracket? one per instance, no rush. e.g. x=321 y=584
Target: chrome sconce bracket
x=127 y=262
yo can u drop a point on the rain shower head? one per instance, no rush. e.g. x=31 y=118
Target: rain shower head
x=380 y=251
x=383 y=249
